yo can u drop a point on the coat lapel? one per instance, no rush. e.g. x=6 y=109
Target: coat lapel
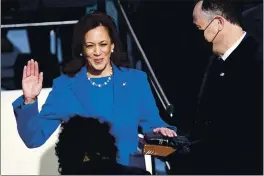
x=121 y=84
x=80 y=88
x=120 y=89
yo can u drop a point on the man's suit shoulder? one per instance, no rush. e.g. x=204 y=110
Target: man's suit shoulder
x=251 y=50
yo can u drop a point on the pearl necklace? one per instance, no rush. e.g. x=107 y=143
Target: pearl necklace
x=101 y=85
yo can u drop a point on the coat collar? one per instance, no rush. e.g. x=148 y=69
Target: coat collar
x=79 y=86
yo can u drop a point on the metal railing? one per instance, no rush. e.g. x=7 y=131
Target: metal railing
x=153 y=79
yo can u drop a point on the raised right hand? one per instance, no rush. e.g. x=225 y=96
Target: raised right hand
x=31 y=81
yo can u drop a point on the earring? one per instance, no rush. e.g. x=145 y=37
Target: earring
x=112 y=50
x=81 y=54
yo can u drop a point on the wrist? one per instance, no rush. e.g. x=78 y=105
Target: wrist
x=29 y=100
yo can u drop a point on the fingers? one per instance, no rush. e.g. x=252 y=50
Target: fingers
x=174 y=133
x=169 y=133
x=36 y=69
x=32 y=67
x=165 y=132
x=40 y=79
x=25 y=72
x=156 y=130
x=28 y=68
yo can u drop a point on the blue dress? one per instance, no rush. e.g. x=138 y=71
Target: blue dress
x=101 y=99
x=126 y=103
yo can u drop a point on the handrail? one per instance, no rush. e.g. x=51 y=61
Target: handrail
x=51 y=23
x=168 y=107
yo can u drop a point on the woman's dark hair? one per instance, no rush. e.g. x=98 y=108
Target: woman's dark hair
x=88 y=22
x=83 y=141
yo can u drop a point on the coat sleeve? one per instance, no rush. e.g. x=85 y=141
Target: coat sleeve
x=149 y=118
x=36 y=127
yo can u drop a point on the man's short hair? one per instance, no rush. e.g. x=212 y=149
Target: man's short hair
x=231 y=10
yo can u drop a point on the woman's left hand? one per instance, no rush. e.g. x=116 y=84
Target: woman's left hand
x=165 y=132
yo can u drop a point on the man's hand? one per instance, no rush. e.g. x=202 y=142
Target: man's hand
x=165 y=132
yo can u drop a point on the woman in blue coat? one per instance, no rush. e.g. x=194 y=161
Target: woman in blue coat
x=96 y=83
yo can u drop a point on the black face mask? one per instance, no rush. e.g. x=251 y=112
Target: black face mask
x=202 y=31
x=209 y=45
x=203 y=44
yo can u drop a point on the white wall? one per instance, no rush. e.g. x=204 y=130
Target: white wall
x=16 y=158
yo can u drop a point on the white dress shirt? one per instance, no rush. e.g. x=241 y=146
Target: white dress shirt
x=233 y=47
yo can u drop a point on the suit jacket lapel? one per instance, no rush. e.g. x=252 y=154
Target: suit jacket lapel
x=120 y=88
x=205 y=77
x=80 y=88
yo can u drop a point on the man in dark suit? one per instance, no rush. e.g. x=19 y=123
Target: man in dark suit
x=253 y=21
x=228 y=126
